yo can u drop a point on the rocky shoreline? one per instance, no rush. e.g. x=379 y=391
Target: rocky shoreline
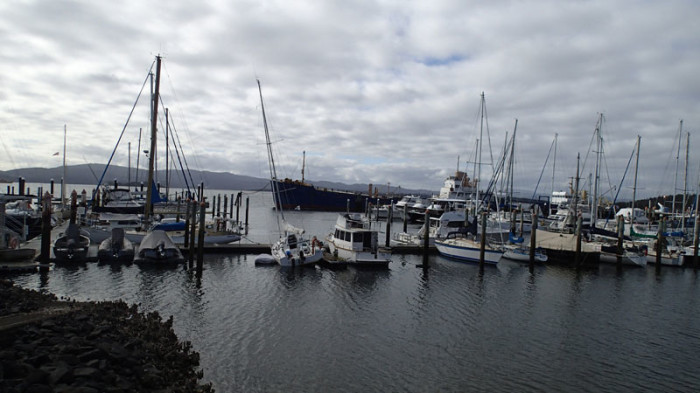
x=52 y=345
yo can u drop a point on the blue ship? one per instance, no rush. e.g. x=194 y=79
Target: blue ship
x=296 y=195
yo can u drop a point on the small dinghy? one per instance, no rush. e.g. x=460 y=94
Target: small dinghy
x=116 y=248
x=157 y=248
x=265 y=259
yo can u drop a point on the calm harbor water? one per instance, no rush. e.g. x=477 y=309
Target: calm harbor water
x=408 y=329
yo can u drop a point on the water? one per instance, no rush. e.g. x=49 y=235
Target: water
x=448 y=328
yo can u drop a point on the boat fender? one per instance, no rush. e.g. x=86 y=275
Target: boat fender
x=13 y=243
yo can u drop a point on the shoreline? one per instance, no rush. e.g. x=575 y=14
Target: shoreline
x=58 y=345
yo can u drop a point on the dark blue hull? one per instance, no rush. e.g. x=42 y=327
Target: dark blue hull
x=297 y=196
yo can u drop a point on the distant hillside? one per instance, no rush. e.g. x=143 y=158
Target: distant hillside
x=90 y=173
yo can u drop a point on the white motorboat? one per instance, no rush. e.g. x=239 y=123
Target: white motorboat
x=355 y=242
x=468 y=249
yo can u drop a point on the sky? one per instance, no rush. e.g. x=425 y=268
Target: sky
x=381 y=92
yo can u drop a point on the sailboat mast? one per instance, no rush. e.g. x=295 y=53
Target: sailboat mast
x=167 y=162
x=685 y=178
x=303 y=165
x=271 y=162
x=511 y=167
x=152 y=155
x=128 y=173
x=636 y=170
x=675 y=176
x=138 y=156
x=596 y=180
x=63 y=183
x=481 y=137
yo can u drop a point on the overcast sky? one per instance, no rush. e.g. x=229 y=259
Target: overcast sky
x=374 y=91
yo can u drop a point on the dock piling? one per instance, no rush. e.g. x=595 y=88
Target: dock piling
x=200 y=240
x=620 y=235
x=659 y=244
x=45 y=251
x=533 y=236
x=388 y=228
x=193 y=225
x=579 y=225
x=247 y=206
x=482 y=245
x=405 y=219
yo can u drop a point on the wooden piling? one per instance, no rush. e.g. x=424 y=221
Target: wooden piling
x=238 y=207
x=579 y=225
x=533 y=237
x=193 y=225
x=426 y=238
x=247 y=206
x=45 y=250
x=405 y=219
x=225 y=205
x=695 y=240
x=200 y=240
x=659 y=244
x=187 y=224
x=482 y=245
x=388 y=229
x=218 y=205
x=620 y=238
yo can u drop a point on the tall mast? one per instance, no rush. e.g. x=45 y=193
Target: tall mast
x=599 y=146
x=675 y=176
x=138 y=156
x=512 y=161
x=685 y=178
x=63 y=183
x=167 y=162
x=303 y=165
x=271 y=163
x=481 y=137
x=152 y=155
x=636 y=169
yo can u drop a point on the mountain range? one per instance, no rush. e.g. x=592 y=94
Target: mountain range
x=90 y=174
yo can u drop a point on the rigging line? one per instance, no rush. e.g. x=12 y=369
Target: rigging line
x=99 y=182
x=182 y=168
x=186 y=130
x=542 y=171
x=634 y=151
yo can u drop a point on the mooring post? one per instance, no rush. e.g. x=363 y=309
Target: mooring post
x=247 y=206
x=405 y=219
x=579 y=225
x=426 y=236
x=225 y=205
x=193 y=224
x=213 y=206
x=177 y=215
x=695 y=240
x=533 y=236
x=45 y=252
x=388 y=228
x=187 y=225
x=238 y=207
x=218 y=205
x=200 y=240
x=52 y=183
x=659 y=243
x=73 y=206
x=620 y=236
x=482 y=245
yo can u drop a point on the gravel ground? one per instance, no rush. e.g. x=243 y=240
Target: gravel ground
x=54 y=345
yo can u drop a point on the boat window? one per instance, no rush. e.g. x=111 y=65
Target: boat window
x=348 y=235
x=357 y=238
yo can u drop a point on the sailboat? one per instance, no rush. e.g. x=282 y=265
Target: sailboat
x=292 y=248
x=468 y=247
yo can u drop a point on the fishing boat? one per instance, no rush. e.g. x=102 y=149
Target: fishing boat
x=292 y=248
x=355 y=242
x=72 y=245
x=116 y=248
x=158 y=249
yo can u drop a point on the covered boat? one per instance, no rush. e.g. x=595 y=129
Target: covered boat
x=157 y=248
x=116 y=248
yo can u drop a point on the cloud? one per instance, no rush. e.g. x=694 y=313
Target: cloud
x=375 y=92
